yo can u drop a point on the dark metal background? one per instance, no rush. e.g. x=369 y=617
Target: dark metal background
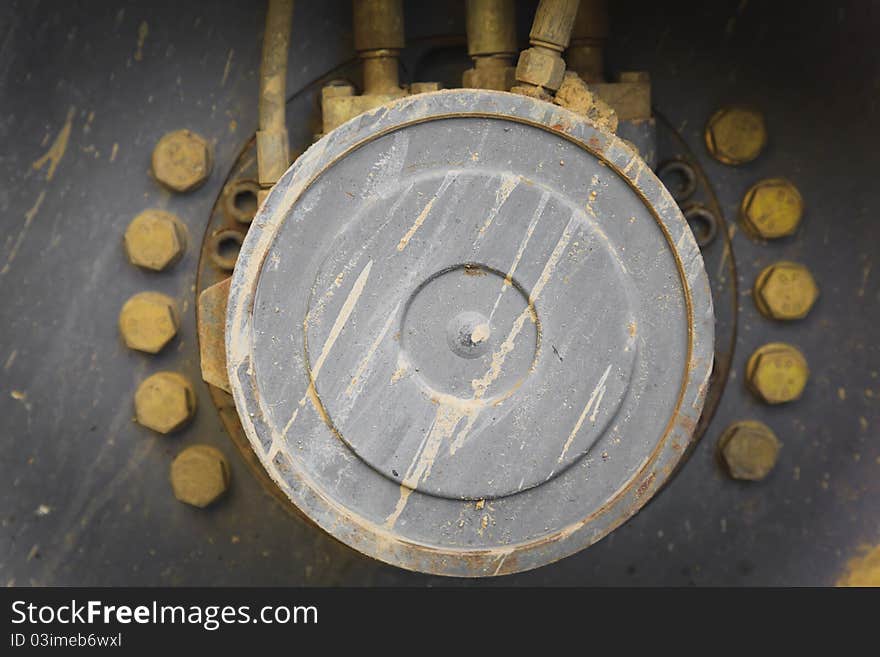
x=85 y=497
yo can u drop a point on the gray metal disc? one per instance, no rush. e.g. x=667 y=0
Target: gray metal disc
x=469 y=333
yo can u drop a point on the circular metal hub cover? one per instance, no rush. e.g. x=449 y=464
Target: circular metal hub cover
x=469 y=333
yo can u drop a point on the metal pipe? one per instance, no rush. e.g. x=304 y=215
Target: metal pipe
x=553 y=23
x=541 y=69
x=585 y=54
x=378 y=40
x=273 y=149
x=491 y=37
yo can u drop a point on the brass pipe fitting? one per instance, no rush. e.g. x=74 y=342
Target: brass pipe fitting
x=585 y=54
x=541 y=69
x=378 y=40
x=273 y=149
x=491 y=36
x=554 y=21
x=381 y=72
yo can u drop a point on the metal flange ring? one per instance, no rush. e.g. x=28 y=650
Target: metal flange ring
x=469 y=333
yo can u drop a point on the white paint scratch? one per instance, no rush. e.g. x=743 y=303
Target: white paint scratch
x=341 y=319
x=505 y=189
x=447 y=180
x=595 y=397
x=28 y=218
x=539 y=212
x=368 y=357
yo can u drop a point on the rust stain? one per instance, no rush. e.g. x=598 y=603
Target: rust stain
x=687 y=423
x=645 y=485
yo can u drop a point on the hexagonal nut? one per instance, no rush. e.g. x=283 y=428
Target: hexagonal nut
x=148 y=321
x=736 y=135
x=182 y=160
x=777 y=373
x=541 y=68
x=165 y=402
x=785 y=291
x=199 y=475
x=155 y=240
x=749 y=450
x=771 y=208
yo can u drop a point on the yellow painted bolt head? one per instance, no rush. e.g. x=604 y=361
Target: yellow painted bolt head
x=199 y=475
x=155 y=240
x=785 y=290
x=736 y=135
x=165 y=402
x=749 y=450
x=772 y=208
x=148 y=321
x=777 y=373
x=182 y=160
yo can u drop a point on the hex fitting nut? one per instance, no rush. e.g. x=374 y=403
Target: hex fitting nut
x=200 y=475
x=777 y=373
x=540 y=67
x=785 y=291
x=148 y=321
x=749 y=450
x=771 y=208
x=736 y=135
x=155 y=240
x=182 y=161
x=165 y=402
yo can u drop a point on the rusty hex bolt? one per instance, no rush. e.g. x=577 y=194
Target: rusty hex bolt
x=182 y=160
x=771 y=208
x=736 y=135
x=148 y=321
x=785 y=290
x=777 y=373
x=749 y=450
x=199 y=475
x=155 y=240
x=165 y=402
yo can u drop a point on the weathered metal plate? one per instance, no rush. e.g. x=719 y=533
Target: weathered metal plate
x=469 y=333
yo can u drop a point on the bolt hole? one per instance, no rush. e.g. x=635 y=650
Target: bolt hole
x=240 y=200
x=679 y=178
x=225 y=247
x=246 y=202
x=703 y=224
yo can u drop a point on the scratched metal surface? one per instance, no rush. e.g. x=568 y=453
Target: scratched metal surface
x=85 y=498
x=480 y=214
